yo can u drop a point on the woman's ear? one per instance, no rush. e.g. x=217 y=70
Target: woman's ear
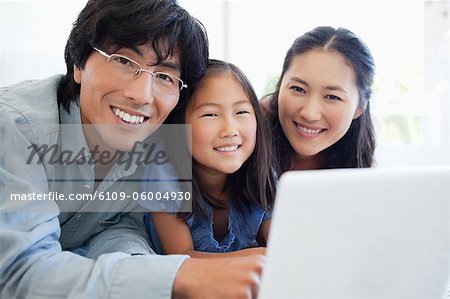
x=360 y=110
x=77 y=74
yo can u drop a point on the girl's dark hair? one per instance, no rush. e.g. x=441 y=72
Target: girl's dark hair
x=112 y=24
x=255 y=181
x=355 y=149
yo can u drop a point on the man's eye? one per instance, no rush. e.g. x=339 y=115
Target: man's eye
x=164 y=77
x=123 y=60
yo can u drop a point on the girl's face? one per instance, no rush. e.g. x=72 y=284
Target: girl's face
x=223 y=124
x=317 y=102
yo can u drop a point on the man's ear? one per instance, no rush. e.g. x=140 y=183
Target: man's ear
x=77 y=74
x=360 y=110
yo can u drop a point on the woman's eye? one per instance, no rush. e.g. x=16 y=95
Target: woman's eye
x=333 y=98
x=297 y=89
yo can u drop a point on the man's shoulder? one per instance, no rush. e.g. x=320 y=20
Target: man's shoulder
x=30 y=105
x=37 y=97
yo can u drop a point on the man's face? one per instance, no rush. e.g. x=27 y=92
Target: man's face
x=123 y=108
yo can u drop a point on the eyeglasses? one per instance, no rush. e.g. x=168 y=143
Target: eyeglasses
x=128 y=69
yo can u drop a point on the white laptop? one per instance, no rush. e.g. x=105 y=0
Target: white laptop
x=360 y=233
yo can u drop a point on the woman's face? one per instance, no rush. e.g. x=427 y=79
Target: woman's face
x=317 y=102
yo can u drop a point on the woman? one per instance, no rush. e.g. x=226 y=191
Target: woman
x=320 y=110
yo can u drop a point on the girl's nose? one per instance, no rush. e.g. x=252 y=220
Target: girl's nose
x=229 y=129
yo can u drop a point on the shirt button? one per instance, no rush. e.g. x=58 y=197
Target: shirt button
x=87 y=187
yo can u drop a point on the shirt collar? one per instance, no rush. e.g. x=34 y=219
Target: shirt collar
x=72 y=134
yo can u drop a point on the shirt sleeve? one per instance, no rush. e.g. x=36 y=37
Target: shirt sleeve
x=32 y=263
x=268 y=215
x=128 y=235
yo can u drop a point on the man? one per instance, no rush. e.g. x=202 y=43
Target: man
x=128 y=65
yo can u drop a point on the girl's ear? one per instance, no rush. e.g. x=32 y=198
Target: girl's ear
x=77 y=74
x=360 y=110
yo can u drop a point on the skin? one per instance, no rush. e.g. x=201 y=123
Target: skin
x=221 y=116
x=100 y=92
x=102 y=89
x=226 y=277
x=317 y=102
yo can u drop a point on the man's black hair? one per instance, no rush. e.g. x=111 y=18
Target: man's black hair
x=113 y=24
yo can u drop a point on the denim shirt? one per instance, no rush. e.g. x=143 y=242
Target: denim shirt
x=36 y=236
x=243 y=228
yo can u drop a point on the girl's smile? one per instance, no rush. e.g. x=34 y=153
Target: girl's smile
x=223 y=124
x=228 y=148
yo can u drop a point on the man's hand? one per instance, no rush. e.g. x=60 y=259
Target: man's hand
x=251 y=251
x=226 y=277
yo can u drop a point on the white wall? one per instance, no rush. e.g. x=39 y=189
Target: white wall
x=33 y=35
x=409 y=41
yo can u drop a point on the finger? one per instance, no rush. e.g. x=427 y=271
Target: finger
x=256 y=283
x=259 y=264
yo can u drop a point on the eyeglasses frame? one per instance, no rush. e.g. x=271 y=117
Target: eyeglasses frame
x=140 y=69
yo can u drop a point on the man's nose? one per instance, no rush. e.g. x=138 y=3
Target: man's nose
x=140 y=90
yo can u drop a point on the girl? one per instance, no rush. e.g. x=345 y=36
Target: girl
x=320 y=111
x=233 y=181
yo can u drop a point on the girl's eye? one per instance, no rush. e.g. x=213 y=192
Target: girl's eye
x=210 y=115
x=297 y=89
x=243 y=112
x=333 y=98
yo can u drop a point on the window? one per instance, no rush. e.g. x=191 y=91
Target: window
x=408 y=39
